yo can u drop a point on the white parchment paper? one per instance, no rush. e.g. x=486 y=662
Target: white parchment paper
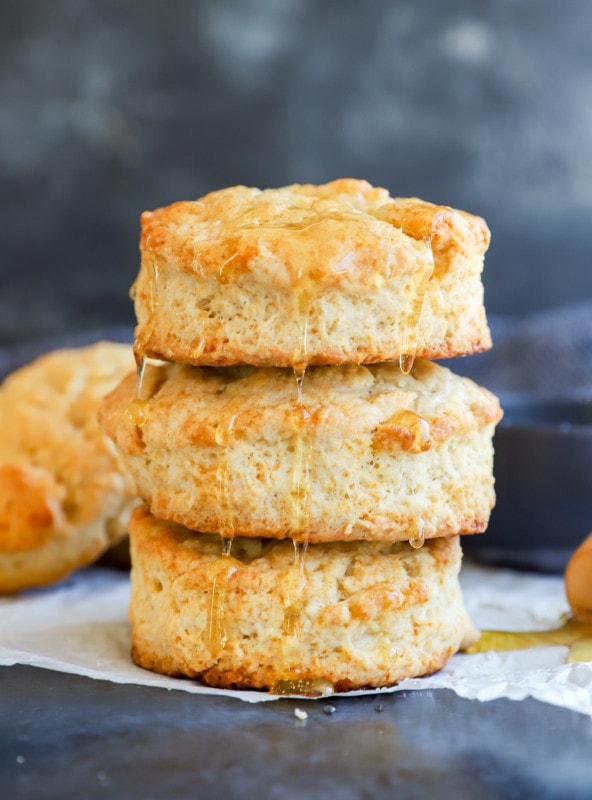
x=80 y=626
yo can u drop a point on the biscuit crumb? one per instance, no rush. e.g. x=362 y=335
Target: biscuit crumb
x=300 y=714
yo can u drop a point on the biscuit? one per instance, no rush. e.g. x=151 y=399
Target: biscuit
x=64 y=494
x=371 y=453
x=346 y=615
x=331 y=274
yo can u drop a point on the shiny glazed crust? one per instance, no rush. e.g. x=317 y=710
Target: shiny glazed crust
x=356 y=614
x=370 y=454
x=330 y=274
x=64 y=495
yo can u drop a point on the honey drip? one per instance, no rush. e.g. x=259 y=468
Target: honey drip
x=307 y=687
x=303 y=294
x=318 y=213
x=224 y=275
x=419 y=539
x=136 y=412
x=225 y=505
x=301 y=468
x=572 y=633
x=137 y=409
x=299 y=373
x=226 y=546
x=219 y=573
x=291 y=627
x=415 y=428
x=224 y=567
x=305 y=286
x=145 y=330
x=140 y=369
x=197 y=349
x=154 y=290
x=292 y=681
x=385 y=648
x=406 y=362
x=413 y=311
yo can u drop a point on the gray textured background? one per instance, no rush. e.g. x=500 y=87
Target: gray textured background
x=107 y=108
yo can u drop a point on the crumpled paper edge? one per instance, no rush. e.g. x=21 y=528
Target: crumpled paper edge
x=100 y=598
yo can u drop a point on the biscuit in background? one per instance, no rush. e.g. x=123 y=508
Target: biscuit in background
x=65 y=497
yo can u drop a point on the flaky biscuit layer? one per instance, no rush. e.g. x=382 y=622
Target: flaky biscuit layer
x=348 y=615
x=368 y=452
x=330 y=274
x=64 y=494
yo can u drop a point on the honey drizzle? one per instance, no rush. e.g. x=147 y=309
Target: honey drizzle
x=303 y=294
x=580 y=650
x=307 y=687
x=300 y=502
x=154 y=301
x=136 y=411
x=305 y=287
x=225 y=506
x=301 y=476
x=219 y=572
x=406 y=362
x=293 y=682
x=572 y=633
x=140 y=369
x=197 y=350
x=315 y=215
x=299 y=373
x=413 y=311
x=145 y=331
x=292 y=625
x=415 y=427
x=418 y=540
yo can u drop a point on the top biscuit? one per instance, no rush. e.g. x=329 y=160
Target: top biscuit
x=330 y=274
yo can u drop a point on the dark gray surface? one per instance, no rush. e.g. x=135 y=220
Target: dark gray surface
x=108 y=108
x=64 y=736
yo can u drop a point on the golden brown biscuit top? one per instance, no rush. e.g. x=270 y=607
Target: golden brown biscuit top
x=341 y=231
x=200 y=405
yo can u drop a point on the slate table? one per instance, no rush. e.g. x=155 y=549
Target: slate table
x=64 y=736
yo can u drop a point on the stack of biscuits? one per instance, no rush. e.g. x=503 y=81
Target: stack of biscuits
x=306 y=469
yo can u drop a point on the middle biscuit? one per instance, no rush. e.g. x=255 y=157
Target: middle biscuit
x=364 y=453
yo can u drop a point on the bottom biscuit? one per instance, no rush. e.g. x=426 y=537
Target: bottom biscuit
x=267 y=615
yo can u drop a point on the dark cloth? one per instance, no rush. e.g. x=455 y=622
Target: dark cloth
x=548 y=354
